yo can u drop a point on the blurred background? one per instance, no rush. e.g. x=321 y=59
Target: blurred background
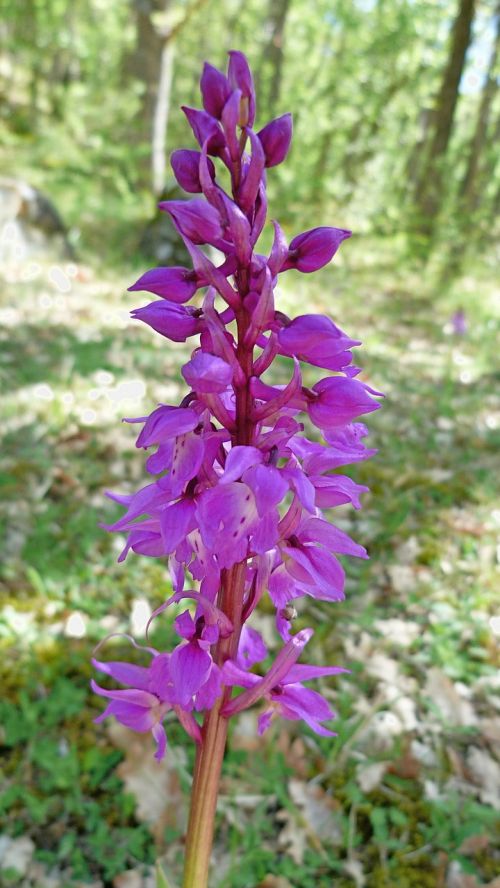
x=397 y=115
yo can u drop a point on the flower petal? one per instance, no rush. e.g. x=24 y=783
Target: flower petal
x=251 y=648
x=160 y=736
x=134 y=717
x=239 y=458
x=207 y=373
x=189 y=668
x=315 y=530
x=126 y=673
x=176 y=283
x=134 y=697
x=268 y=487
x=165 y=423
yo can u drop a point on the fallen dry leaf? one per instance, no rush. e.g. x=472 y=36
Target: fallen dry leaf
x=402 y=577
x=369 y=777
x=296 y=754
x=380 y=732
x=129 y=879
x=473 y=844
x=155 y=785
x=457 y=763
x=455 y=878
x=239 y=808
x=490 y=729
x=406 y=766
x=485 y=772
x=319 y=808
x=313 y=820
x=400 y=632
x=292 y=838
x=453 y=708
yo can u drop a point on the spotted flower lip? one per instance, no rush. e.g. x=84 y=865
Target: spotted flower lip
x=237 y=491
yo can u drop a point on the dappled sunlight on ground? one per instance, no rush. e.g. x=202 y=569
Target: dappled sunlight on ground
x=409 y=793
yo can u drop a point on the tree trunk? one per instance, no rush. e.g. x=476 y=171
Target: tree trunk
x=160 y=118
x=152 y=62
x=145 y=64
x=469 y=192
x=430 y=183
x=274 y=52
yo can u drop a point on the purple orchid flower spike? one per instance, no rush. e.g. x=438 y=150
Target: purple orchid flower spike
x=236 y=494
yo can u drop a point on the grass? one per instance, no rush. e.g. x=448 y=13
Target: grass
x=71 y=366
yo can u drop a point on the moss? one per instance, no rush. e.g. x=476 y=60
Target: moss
x=421 y=875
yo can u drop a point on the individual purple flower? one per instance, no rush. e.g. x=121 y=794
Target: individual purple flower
x=240 y=77
x=317 y=340
x=337 y=401
x=459 y=322
x=177 y=283
x=191 y=663
x=206 y=130
x=173 y=321
x=199 y=221
x=144 y=704
x=195 y=678
x=215 y=90
x=313 y=249
x=283 y=688
x=166 y=423
x=207 y=373
x=275 y=139
x=186 y=166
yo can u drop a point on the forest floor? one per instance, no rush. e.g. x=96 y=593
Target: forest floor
x=408 y=795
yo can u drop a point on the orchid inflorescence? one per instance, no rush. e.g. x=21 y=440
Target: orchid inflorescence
x=238 y=491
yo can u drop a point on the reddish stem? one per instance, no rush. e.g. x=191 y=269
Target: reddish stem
x=210 y=752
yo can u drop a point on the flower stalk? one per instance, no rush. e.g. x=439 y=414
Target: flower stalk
x=238 y=491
